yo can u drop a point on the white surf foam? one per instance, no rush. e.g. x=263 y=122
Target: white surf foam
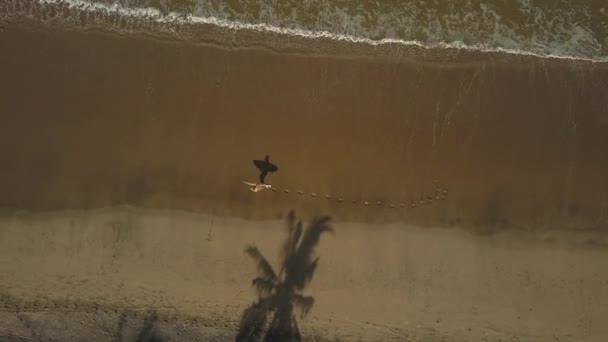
x=154 y=15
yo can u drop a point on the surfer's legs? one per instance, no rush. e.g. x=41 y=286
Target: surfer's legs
x=263 y=176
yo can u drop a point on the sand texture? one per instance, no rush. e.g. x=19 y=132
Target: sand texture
x=469 y=198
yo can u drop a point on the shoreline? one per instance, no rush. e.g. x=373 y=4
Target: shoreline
x=208 y=34
x=467 y=191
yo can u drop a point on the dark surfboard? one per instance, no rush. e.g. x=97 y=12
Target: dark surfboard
x=264 y=165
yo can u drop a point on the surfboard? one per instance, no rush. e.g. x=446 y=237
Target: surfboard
x=262 y=164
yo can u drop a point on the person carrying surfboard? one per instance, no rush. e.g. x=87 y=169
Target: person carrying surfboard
x=264 y=166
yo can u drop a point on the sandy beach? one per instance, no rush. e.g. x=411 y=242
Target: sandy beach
x=375 y=282
x=468 y=195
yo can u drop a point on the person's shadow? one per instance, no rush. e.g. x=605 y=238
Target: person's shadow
x=265 y=166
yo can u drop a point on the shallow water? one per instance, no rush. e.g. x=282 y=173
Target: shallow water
x=564 y=28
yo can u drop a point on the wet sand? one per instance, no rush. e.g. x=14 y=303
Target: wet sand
x=108 y=120
x=95 y=120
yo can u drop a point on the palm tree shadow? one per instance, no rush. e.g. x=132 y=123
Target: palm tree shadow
x=146 y=334
x=272 y=316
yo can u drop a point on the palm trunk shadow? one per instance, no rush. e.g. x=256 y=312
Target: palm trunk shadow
x=146 y=334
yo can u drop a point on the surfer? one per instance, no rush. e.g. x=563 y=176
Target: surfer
x=264 y=166
x=258 y=187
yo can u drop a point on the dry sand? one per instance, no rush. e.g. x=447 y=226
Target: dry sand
x=375 y=282
x=91 y=122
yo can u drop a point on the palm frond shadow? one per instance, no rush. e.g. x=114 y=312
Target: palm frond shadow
x=271 y=317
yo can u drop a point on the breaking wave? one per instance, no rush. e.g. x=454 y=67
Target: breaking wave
x=566 y=29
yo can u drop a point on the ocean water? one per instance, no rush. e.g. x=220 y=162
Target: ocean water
x=575 y=29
